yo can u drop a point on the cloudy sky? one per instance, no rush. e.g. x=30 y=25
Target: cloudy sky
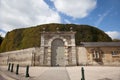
x=103 y=14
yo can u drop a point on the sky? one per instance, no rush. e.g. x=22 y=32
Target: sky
x=103 y=14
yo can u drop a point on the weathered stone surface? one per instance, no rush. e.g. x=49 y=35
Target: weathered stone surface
x=59 y=49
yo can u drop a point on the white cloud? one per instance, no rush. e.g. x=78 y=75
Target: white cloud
x=114 y=34
x=2 y=33
x=67 y=21
x=102 y=17
x=25 y=13
x=75 y=8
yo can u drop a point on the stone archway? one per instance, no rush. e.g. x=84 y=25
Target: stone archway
x=57 y=53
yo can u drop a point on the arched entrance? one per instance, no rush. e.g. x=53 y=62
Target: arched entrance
x=57 y=53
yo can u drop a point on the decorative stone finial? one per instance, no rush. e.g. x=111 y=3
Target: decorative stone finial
x=43 y=29
x=71 y=29
x=57 y=28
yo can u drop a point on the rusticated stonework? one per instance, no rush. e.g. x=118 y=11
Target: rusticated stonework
x=61 y=55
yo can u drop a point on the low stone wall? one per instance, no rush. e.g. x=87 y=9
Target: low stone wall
x=22 y=57
x=34 y=57
x=82 y=58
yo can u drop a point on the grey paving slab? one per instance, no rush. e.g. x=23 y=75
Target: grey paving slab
x=64 y=73
x=95 y=73
x=54 y=73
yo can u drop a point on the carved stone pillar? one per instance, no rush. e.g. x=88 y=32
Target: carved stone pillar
x=74 y=55
x=41 y=55
x=66 y=55
x=49 y=56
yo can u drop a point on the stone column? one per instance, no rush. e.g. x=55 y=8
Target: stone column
x=66 y=56
x=73 y=50
x=49 y=56
x=74 y=55
x=72 y=40
x=42 y=49
x=42 y=40
x=41 y=55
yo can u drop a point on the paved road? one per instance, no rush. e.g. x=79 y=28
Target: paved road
x=63 y=73
x=58 y=73
x=2 y=78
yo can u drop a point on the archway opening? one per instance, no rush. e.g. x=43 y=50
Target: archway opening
x=57 y=53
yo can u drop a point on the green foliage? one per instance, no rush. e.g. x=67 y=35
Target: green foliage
x=30 y=37
x=116 y=40
x=1 y=39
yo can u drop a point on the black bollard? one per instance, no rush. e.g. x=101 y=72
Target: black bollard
x=27 y=71
x=17 y=69
x=9 y=66
x=12 y=67
x=83 y=77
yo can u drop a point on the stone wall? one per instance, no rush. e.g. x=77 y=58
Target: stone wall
x=22 y=57
x=47 y=38
x=84 y=56
x=106 y=55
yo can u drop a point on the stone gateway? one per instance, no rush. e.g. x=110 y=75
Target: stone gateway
x=59 y=49
x=57 y=53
